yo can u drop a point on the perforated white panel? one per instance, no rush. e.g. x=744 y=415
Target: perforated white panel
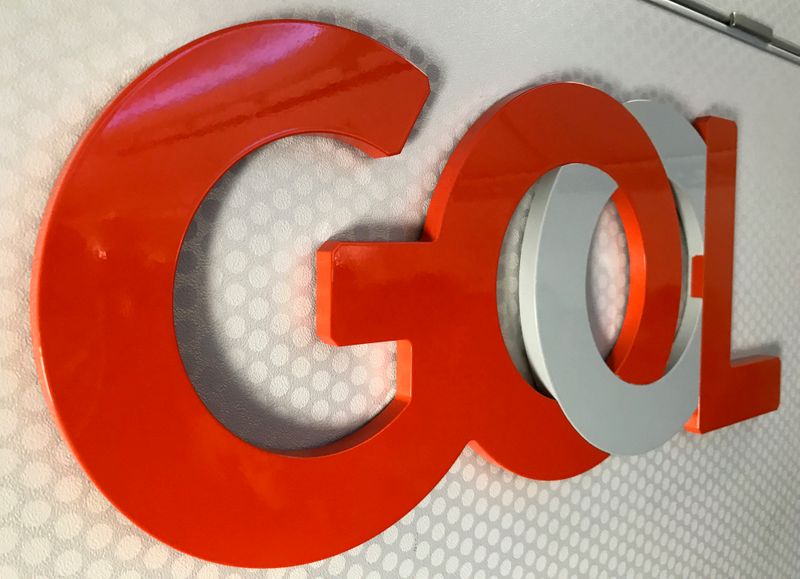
x=722 y=505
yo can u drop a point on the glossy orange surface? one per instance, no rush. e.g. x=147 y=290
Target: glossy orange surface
x=104 y=272
x=102 y=295
x=105 y=264
x=729 y=391
x=456 y=381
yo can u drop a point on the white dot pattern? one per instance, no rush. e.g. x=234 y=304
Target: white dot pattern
x=722 y=505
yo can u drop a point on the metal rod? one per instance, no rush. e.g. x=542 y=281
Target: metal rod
x=704 y=9
x=786 y=45
x=736 y=25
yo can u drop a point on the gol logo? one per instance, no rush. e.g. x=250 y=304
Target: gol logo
x=105 y=263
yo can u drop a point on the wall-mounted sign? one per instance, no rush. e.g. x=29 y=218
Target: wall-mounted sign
x=105 y=264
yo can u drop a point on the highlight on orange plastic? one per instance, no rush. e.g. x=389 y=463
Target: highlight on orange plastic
x=101 y=296
x=437 y=296
x=104 y=272
x=730 y=392
x=102 y=311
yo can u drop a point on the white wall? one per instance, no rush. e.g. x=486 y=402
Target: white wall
x=725 y=504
